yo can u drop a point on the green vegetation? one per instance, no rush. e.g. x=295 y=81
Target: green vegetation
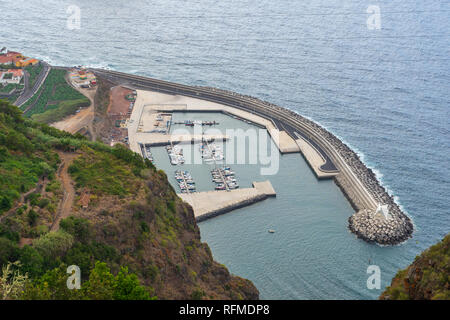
x=33 y=71
x=9 y=87
x=27 y=155
x=104 y=174
x=9 y=66
x=58 y=112
x=55 y=99
x=130 y=243
x=100 y=285
x=426 y=278
x=24 y=157
x=15 y=88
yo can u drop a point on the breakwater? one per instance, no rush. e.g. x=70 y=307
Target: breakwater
x=358 y=183
x=209 y=204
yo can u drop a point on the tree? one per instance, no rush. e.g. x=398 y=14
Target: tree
x=51 y=286
x=32 y=217
x=8 y=251
x=54 y=244
x=32 y=262
x=12 y=282
x=127 y=287
x=5 y=204
x=78 y=227
x=100 y=285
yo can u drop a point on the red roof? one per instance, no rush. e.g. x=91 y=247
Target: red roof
x=10 y=57
x=5 y=59
x=16 y=72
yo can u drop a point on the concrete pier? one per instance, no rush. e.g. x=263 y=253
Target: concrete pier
x=209 y=204
x=158 y=139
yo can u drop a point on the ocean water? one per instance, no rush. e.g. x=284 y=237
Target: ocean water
x=385 y=92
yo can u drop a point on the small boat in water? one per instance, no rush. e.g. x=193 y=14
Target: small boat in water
x=271 y=231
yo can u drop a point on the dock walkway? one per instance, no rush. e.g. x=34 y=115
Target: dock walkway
x=209 y=204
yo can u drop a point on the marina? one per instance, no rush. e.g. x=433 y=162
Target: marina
x=224 y=179
x=191 y=123
x=175 y=154
x=211 y=152
x=185 y=181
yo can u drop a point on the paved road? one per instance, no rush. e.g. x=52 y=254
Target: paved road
x=29 y=92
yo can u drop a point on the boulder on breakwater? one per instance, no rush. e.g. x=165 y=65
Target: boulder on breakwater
x=372 y=227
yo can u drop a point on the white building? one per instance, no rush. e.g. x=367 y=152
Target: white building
x=11 y=76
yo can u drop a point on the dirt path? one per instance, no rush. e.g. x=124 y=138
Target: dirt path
x=82 y=119
x=65 y=206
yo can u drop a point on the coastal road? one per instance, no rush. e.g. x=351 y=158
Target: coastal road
x=29 y=92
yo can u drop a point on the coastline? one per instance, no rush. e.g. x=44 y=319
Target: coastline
x=358 y=182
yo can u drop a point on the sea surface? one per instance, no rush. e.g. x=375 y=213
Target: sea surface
x=385 y=92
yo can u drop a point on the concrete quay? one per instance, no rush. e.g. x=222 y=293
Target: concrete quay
x=209 y=204
x=158 y=139
x=358 y=183
x=151 y=102
x=314 y=159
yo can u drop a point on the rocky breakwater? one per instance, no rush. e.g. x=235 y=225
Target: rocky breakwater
x=373 y=227
x=365 y=223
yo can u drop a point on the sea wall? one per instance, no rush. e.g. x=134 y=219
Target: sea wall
x=231 y=207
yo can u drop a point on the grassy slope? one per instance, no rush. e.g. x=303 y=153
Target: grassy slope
x=134 y=218
x=426 y=278
x=34 y=72
x=55 y=99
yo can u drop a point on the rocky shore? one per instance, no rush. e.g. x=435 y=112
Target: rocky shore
x=363 y=223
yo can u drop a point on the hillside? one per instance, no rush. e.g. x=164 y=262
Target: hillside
x=426 y=278
x=65 y=200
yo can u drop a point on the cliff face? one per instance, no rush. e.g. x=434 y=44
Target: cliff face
x=66 y=200
x=426 y=278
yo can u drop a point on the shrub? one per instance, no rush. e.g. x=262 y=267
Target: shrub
x=54 y=244
x=198 y=294
x=32 y=217
x=8 y=251
x=43 y=202
x=144 y=227
x=31 y=260
x=78 y=227
x=8 y=233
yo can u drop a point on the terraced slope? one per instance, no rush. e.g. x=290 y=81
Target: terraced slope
x=55 y=99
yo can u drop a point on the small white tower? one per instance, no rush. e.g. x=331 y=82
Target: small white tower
x=383 y=211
